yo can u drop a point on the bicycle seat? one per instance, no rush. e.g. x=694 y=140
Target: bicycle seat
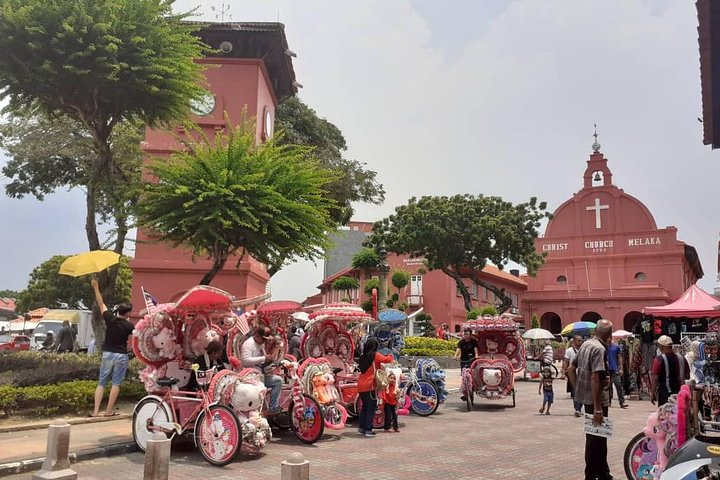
x=167 y=381
x=337 y=370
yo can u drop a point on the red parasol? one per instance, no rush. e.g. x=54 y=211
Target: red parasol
x=203 y=297
x=341 y=312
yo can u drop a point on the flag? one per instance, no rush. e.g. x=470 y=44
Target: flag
x=242 y=322
x=150 y=301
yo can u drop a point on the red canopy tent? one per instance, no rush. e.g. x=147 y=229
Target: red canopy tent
x=694 y=303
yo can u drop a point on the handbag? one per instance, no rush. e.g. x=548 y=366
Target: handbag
x=381 y=379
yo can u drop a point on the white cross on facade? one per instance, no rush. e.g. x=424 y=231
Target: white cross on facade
x=597 y=207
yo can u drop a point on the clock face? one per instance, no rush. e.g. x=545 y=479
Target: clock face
x=269 y=124
x=204 y=105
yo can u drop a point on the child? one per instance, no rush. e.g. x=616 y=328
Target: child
x=546 y=381
x=389 y=398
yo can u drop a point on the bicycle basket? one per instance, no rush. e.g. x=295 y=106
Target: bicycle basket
x=204 y=377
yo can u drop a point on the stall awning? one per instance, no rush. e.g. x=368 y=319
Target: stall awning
x=694 y=303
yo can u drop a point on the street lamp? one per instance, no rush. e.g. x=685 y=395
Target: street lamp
x=383 y=270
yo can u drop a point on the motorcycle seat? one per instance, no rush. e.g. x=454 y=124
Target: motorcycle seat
x=167 y=381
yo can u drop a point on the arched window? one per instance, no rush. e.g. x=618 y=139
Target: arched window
x=562 y=279
x=640 y=276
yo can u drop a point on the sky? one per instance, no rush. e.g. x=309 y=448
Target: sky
x=497 y=97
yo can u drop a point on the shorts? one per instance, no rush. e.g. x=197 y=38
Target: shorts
x=115 y=364
x=548 y=397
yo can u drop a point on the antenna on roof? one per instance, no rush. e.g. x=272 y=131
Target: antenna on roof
x=220 y=12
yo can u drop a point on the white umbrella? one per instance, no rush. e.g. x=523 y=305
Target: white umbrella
x=538 y=334
x=622 y=334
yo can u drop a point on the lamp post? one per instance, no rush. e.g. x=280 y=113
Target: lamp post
x=383 y=270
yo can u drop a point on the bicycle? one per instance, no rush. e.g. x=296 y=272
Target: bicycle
x=215 y=428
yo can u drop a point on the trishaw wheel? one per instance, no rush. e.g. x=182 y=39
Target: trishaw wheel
x=147 y=410
x=218 y=435
x=335 y=416
x=424 y=398
x=640 y=452
x=309 y=426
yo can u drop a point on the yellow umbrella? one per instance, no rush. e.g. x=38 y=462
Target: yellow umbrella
x=89 y=262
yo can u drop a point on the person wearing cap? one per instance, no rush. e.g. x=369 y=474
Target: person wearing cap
x=669 y=371
x=253 y=355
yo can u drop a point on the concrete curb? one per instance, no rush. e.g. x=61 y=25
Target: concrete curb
x=25 y=466
x=72 y=421
x=453 y=390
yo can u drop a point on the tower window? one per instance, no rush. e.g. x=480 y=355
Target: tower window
x=562 y=279
x=640 y=277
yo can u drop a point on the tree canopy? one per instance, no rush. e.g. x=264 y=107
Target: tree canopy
x=460 y=234
x=366 y=259
x=400 y=279
x=99 y=62
x=354 y=182
x=345 y=283
x=47 y=288
x=230 y=195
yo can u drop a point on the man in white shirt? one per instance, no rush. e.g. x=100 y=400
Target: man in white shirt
x=252 y=355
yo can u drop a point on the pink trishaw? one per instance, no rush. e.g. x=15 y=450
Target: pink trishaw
x=301 y=411
x=501 y=354
x=168 y=339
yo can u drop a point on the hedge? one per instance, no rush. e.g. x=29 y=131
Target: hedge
x=429 y=347
x=24 y=369
x=60 y=397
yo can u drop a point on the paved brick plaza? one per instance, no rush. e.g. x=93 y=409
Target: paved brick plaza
x=490 y=443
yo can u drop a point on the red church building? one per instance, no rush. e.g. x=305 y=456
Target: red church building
x=606 y=258
x=250 y=73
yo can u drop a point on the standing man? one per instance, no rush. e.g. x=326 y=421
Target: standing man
x=65 y=339
x=589 y=375
x=114 y=351
x=615 y=364
x=252 y=355
x=570 y=354
x=669 y=371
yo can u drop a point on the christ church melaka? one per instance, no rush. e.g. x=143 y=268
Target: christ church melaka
x=606 y=258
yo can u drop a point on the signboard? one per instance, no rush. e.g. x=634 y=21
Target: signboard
x=603 y=430
x=602 y=245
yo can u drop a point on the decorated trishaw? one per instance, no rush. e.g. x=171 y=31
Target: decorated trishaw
x=300 y=407
x=223 y=413
x=423 y=380
x=501 y=354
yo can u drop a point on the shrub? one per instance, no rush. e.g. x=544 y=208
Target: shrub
x=489 y=310
x=428 y=347
x=389 y=303
x=366 y=259
x=24 y=369
x=473 y=314
x=534 y=322
x=395 y=297
x=367 y=305
x=59 y=397
x=403 y=306
x=370 y=284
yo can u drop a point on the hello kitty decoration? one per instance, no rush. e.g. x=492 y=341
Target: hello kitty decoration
x=155 y=339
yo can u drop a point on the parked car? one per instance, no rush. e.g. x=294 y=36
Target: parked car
x=14 y=343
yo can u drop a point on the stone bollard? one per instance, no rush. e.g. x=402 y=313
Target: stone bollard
x=57 y=460
x=157 y=457
x=295 y=468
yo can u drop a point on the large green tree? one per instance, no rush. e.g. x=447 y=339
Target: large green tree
x=47 y=288
x=99 y=62
x=460 y=234
x=354 y=183
x=230 y=195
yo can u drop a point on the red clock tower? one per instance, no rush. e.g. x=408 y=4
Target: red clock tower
x=251 y=74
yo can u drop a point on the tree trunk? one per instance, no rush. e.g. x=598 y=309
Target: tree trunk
x=219 y=261
x=461 y=286
x=505 y=301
